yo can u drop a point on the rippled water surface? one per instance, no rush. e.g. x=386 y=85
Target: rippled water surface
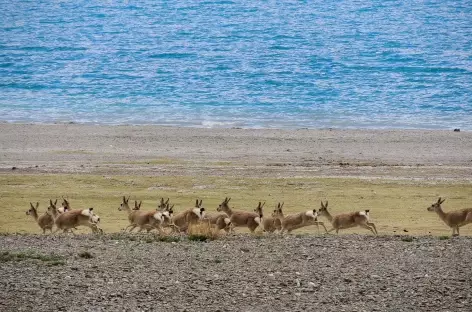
x=284 y=64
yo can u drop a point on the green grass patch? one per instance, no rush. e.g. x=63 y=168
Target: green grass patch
x=48 y=259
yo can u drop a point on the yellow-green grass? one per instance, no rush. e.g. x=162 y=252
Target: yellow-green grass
x=394 y=205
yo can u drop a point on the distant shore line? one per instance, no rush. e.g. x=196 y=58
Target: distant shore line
x=222 y=127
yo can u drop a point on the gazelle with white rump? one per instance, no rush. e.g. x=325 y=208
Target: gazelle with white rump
x=219 y=221
x=145 y=220
x=45 y=221
x=95 y=219
x=189 y=217
x=348 y=220
x=296 y=221
x=453 y=219
x=71 y=219
x=239 y=218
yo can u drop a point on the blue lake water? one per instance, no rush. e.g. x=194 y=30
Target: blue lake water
x=281 y=64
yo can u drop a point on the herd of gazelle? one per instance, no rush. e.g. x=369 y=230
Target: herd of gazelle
x=65 y=218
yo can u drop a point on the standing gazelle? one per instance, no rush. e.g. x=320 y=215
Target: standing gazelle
x=44 y=221
x=453 y=219
x=242 y=218
x=348 y=220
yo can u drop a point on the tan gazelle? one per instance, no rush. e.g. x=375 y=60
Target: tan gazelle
x=348 y=220
x=45 y=221
x=239 y=218
x=453 y=219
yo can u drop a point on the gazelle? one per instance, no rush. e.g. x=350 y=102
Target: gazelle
x=220 y=221
x=273 y=223
x=242 y=218
x=145 y=220
x=299 y=220
x=74 y=218
x=95 y=219
x=348 y=220
x=188 y=217
x=45 y=221
x=453 y=219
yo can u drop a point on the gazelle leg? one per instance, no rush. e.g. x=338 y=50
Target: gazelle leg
x=332 y=229
x=365 y=226
x=457 y=230
x=371 y=224
x=322 y=224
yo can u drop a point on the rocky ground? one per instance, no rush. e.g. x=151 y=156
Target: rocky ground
x=117 y=272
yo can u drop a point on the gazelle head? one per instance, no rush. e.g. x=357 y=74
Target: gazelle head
x=278 y=211
x=52 y=210
x=65 y=203
x=33 y=211
x=437 y=205
x=168 y=212
x=124 y=205
x=163 y=204
x=324 y=209
x=199 y=210
x=224 y=205
x=259 y=210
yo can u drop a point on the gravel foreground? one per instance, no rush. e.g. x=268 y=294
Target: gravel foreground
x=117 y=272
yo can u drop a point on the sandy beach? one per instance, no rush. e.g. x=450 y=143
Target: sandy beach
x=155 y=151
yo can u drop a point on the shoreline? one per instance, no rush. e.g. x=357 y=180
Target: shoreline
x=229 y=127
x=165 y=150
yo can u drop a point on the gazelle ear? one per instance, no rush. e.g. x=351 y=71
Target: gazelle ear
x=37 y=205
x=263 y=204
x=55 y=202
x=167 y=201
x=228 y=200
x=31 y=204
x=140 y=202
x=282 y=205
x=200 y=204
x=439 y=200
x=196 y=203
x=442 y=201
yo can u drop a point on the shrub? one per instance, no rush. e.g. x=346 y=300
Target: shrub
x=202 y=231
x=86 y=255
